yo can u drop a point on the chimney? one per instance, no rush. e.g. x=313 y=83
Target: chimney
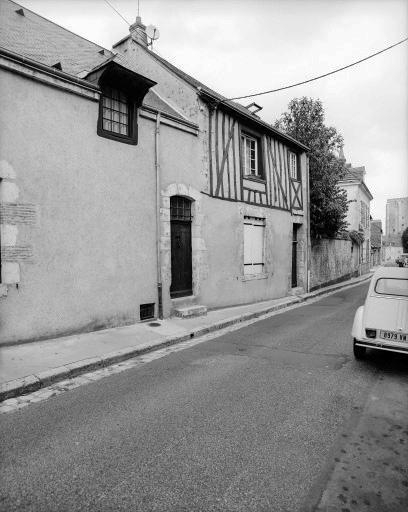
x=138 y=31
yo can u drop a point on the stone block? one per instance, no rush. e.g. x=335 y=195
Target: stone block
x=8 y=233
x=10 y=272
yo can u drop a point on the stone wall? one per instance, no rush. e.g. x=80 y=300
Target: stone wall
x=332 y=261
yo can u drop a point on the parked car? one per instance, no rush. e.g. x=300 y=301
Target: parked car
x=382 y=322
x=402 y=260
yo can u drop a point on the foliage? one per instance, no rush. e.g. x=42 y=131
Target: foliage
x=304 y=121
x=404 y=240
x=356 y=236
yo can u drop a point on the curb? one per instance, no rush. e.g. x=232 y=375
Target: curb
x=31 y=383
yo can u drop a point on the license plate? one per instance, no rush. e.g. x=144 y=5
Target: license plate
x=393 y=336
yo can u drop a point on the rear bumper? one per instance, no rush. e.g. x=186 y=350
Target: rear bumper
x=401 y=349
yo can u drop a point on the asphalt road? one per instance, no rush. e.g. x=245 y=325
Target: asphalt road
x=255 y=420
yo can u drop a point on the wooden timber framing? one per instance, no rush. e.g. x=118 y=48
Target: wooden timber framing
x=273 y=189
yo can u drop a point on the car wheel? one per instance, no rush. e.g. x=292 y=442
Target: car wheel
x=359 y=352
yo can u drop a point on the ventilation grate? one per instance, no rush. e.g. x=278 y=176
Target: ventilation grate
x=146 y=311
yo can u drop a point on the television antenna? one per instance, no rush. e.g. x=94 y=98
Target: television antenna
x=153 y=34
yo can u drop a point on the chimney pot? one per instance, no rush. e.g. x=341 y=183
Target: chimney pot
x=138 y=31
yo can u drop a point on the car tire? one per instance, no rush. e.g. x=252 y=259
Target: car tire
x=359 y=352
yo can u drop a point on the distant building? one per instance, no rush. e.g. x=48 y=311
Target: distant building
x=376 y=242
x=358 y=214
x=396 y=220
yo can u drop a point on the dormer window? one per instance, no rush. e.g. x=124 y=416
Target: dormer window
x=117 y=116
x=122 y=93
x=115 y=112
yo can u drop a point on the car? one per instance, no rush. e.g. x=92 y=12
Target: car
x=382 y=322
x=402 y=260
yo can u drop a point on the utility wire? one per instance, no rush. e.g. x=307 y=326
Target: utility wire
x=117 y=12
x=320 y=76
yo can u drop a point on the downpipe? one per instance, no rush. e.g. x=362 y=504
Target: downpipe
x=158 y=227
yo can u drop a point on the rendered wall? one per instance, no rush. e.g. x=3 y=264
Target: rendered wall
x=87 y=244
x=391 y=253
x=332 y=261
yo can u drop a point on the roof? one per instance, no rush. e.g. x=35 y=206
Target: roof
x=42 y=40
x=354 y=174
x=33 y=37
x=202 y=88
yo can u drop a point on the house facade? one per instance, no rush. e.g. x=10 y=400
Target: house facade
x=128 y=189
x=249 y=195
x=358 y=214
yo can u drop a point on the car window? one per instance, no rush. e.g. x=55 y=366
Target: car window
x=392 y=286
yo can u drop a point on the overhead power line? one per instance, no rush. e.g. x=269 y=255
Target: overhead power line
x=320 y=76
x=117 y=12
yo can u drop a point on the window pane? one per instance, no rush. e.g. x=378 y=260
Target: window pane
x=392 y=287
x=115 y=112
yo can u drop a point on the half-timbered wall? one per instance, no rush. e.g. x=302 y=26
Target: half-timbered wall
x=276 y=189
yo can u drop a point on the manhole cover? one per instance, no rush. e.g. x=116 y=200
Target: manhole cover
x=154 y=324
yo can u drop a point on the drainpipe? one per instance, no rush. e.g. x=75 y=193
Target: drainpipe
x=158 y=230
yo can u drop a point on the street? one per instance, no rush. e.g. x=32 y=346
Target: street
x=277 y=416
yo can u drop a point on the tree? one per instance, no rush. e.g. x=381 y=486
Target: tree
x=404 y=240
x=304 y=121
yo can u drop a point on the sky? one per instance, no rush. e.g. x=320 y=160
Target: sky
x=240 y=47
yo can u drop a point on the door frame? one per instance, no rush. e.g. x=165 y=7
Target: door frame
x=183 y=220
x=198 y=246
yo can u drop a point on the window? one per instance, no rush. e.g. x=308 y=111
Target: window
x=146 y=311
x=115 y=112
x=392 y=286
x=251 y=159
x=254 y=232
x=117 y=118
x=364 y=214
x=293 y=165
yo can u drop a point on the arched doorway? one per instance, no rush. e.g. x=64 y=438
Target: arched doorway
x=181 y=261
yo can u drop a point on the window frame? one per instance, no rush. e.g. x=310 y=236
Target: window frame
x=257 y=137
x=298 y=177
x=132 y=136
x=260 y=222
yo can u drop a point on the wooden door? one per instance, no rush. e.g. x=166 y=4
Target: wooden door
x=294 y=256
x=181 y=261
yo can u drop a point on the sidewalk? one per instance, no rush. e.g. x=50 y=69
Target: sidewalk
x=27 y=367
